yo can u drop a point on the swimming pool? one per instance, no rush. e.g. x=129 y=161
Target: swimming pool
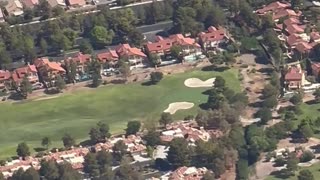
x=194 y=57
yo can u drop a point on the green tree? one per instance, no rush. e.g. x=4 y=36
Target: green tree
x=123 y=2
x=216 y=17
x=264 y=114
x=17 y=175
x=133 y=127
x=296 y=99
x=25 y=87
x=152 y=138
x=270 y=102
x=68 y=141
x=28 y=48
x=23 y=150
x=156 y=77
x=166 y=118
x=292 y=163
x=176 y=51
x=155 y=59
x=70 y=34
x=124 y=69
x=49 y=169
x=5 y=57
x=269 y=90
x=307 y=156
x=66 y=172
x=316 y=94
x=91 y=165
x=31 y=174
x=242 y=169
x=126 y=171
x=179 y=153
x=305 y=174
x=119 y=150
x=46 y=142
x=71 y=68
x=43 y=46
x=100 y=133
x=96 y=79
x=305 y=129
x=219 y=82
x=58 y=11
x=104 y=158
x=99 y=36
x=215 y=101
x=60 y=83
x=85 y=47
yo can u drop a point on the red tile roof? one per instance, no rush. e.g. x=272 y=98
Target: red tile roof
x=81 y=58
x=315 y=66
x=293 y=74
x=285 y=13
x=4 y=75
x=273 y=7
x=294 y=28
x=20 y=73
x=293 y=39
x=315 y=36
x=291 y=20
x=161 y=45
x=77 y=2
x=213 y=34
x=183 y=41
x=30 y=3
x=40 y=62
x=304 y=47
x=110 y=55
x=126 y=50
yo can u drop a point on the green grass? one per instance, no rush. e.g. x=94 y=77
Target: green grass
x=315 y=169
x=114 y=104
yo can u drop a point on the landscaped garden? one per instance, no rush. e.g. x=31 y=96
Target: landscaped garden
x=114 y=104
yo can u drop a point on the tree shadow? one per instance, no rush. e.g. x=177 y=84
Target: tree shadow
x=257 y=104
x=207 y=92
x=266 y=70
x=87 y=142
x=15 y=96
x=282 y=174
x=118 y=81
x=39 y=149
x=311 y=102
x=204 y=106
x=215 y=68
x=51 y=91
x=147 y=83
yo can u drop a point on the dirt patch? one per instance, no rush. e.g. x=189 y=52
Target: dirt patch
x=174 y=107
x=195 y=82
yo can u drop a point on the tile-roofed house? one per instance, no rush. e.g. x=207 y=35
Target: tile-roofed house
x=188 y=173
x=14 y=7
x=315 y=36
x=161 y=47
x=134 y=55
x=5 y=77
x=188 y=45
x=48 y=70
x=109 y=56
x=294 y=29
x=273 y=7
x=30 y=71
x=211 y=39
x=304 y=47
x=54 y=3
x=293 y=78
x=81 y=60
x=75 y=3
x=30 y=3
x=285 y=13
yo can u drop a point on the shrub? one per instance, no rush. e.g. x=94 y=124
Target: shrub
x=307 y=156
x=244 y=66
x=189 y=118
x=279 y=161
x=156 y=77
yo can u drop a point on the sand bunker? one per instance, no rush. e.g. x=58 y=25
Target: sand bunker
x=174 y=107
x=195 y=82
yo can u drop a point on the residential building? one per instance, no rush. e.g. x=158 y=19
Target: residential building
x=29 y=71
x=211 y=39
x=30 y=3
x=188 y=173
x=82 y=61
x=48 y=70
x=110 y=57
x=161 y=47
x=5 y=78
x=14 y=8
x=189 y=45
x=75 y=3
x=135 y=56
x=54 y=3
x=190 y=131
x=294 y=78
x=272 y=7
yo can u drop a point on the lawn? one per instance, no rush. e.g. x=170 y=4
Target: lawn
x=315 y=169
x=114 y=104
